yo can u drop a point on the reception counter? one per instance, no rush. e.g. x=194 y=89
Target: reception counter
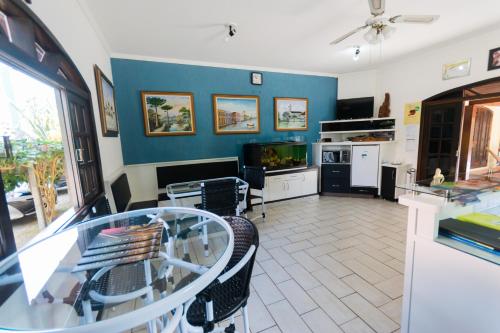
x=449 y=286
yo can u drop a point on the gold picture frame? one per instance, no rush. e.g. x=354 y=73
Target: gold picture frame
x=236 y=114
x=291 y=114
x=107 y=103
x=168 y=113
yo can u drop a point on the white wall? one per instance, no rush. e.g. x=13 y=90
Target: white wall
x=419 y=77
x=67 y=21
x=357 y=84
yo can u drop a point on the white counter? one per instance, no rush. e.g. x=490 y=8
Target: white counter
x=449 y=286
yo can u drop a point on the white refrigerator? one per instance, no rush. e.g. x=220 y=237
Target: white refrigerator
x=365 y=166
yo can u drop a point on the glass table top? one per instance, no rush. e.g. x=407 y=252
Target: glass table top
x=194 y=187
x=464 y=190
x=135 y=262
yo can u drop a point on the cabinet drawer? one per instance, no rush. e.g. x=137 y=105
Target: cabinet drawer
x=335 y=185
x=336 y=171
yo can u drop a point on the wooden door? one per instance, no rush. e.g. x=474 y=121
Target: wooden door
x=482 y=120
x=439 y=140
x=85 y=147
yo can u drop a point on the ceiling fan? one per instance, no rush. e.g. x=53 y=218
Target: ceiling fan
x=380 y=27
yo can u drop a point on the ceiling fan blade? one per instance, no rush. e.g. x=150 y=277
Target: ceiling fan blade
x=414 y=18
x=347 y=35
x=377 y=7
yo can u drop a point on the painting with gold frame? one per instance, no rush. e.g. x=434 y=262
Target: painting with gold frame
x=290 y=114
x=168 y=113
x=236 y=114
x=107 y=104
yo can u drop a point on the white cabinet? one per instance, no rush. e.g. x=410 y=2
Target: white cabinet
x=365 y=166
x=291 y=185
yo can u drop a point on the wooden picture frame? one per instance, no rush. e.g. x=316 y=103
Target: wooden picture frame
x=295 y=109
x=181 y=122
x=107 y=104
x=494 y=59
x=236 y=114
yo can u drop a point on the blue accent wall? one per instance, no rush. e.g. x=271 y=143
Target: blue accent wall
x=132 y=76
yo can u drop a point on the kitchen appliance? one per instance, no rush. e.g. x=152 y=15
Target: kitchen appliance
x=339 y=156
x=365 y=166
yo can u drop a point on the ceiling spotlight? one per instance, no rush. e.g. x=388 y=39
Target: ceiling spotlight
x=357 y=51
x=230 y=31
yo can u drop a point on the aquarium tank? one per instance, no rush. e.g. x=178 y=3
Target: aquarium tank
x=276 y=155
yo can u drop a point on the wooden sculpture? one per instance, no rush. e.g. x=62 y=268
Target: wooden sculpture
x=384 y=110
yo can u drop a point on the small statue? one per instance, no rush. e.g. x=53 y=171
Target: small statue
x=438 y=178
x=384 y=110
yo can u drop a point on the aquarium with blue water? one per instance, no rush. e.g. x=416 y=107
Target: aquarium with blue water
x=276 y=155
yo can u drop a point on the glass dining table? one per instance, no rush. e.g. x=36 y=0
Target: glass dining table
x=114 y=273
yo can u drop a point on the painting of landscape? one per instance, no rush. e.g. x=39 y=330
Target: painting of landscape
x=234 y=114
x=107 y=107
x=290 y=114
x=168 y=113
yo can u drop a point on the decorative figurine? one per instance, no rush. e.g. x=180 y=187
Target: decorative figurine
x=438 y=178
x=384 y=110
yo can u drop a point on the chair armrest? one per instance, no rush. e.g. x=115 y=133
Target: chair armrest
x=236 y=268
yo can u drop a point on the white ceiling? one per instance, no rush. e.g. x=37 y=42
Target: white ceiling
x=280 y=34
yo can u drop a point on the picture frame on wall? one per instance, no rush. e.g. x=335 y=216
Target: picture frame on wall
x=236 y=114
x=494 y=59
x=168 y=113
x=107 y=104
x=290 y=114
x=457 y=69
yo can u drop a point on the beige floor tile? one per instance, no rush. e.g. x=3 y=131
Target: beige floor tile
x=302 y=276
x=375 y=318
x=365 y=272
x=275 y=271
x=258 y=316
x=333 y=266
x=319 y=322
x=306 y=261
x=287 y=319
x=297 y=297
x=378 y=267
x=338 y=287
x=392 y=287
x=282 y=257
x=298 y=246
x=372 y=294
x=331 y=305
x=266 y=289
x=393 y=309
x=356 y=326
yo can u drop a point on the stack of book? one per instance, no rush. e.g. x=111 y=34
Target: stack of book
x=122 y=245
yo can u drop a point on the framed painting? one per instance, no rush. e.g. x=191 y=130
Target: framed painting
x=494 y=59
x=168 y=113
x=290 y=114
x=235 y=114
x=107 y=105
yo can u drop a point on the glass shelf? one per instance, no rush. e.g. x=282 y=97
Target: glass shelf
x=464 y=191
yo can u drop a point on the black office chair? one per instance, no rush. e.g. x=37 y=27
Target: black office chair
x=230 y=291
x=256 y=179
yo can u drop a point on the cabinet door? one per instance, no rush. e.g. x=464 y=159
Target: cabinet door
x=388 y=183
x=276 y=188
x=310 y=183
x=293 y=186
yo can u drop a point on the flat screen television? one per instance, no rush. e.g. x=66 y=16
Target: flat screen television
x=355 y=108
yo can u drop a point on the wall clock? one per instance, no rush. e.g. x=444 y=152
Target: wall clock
x=256 y=78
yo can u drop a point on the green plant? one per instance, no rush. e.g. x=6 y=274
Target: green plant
x=156 y=102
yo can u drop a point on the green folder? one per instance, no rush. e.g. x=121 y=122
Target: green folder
x=482 y=219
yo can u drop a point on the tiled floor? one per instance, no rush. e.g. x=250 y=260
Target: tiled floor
x=329 y=264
